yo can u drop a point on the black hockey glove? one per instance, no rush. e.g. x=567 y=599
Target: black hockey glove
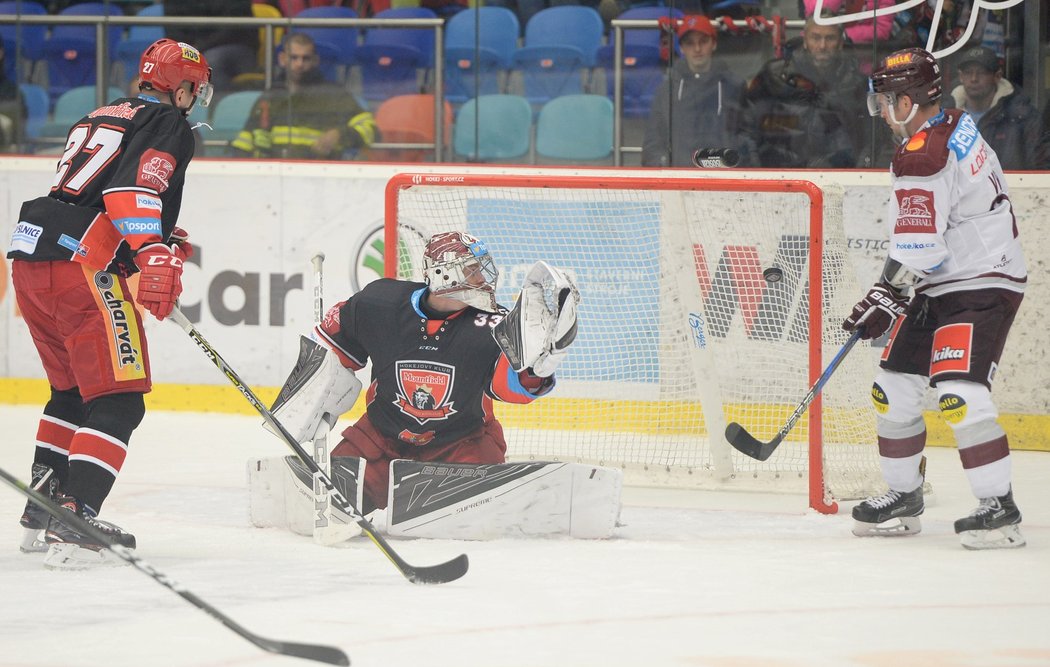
x=876 y=312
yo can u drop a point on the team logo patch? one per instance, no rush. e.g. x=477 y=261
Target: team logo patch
x=915 y=212
x=878 y=398
x=916 y=142
x=953 y=408
x=951 y=349
x=413 y=438
x=425 y=387
x=155 y=170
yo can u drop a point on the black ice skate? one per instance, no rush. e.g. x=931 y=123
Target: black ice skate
x=994 y=524
x=891 y=514
x=34 y=519
x=69 y=549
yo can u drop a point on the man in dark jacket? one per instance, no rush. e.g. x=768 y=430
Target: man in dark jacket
x=808 y=110
x=698 y=103
x=1005 y=116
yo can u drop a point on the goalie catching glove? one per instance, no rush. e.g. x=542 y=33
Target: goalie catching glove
x=318 y=390
x=537 y=332
x=877 y=311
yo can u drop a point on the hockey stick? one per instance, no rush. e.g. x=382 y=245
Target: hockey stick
x=436 y=574
x=327 y=529
x=755 y=448
x=317 y=652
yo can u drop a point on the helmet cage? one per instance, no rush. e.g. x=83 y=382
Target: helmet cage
x=459 y=266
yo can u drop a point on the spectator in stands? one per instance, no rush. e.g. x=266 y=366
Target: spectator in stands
x=808 y=109
x=230 y=50
x=1006 y=117
x=304 y=116
x=863 y=31
x=12 y=109
x=698 y=103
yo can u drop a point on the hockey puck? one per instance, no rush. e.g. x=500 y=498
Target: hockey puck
x=773 y=275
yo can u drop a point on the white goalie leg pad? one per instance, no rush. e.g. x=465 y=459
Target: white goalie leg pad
x=481 y=502
x=542 y=325
x=318 y=389
x=281 y=495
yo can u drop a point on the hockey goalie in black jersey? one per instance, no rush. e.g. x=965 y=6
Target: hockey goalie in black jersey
x=441 y=352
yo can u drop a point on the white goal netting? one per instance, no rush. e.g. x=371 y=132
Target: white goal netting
x=679 y=331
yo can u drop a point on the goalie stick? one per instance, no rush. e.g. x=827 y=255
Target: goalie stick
x=743 y=441
x=435 y=574
x=316 y=652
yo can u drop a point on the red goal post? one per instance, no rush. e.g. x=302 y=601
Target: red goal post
x=679 y=331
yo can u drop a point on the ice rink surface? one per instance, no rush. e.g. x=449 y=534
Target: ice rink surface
x=693 y=579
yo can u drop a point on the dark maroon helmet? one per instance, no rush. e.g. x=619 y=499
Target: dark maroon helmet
x=911 y=72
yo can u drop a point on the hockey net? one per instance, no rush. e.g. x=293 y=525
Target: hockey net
x=679 y=331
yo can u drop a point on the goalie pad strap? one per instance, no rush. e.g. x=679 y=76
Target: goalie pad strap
x=479 y=502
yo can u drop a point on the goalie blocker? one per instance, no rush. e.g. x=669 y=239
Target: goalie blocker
x=451 y=500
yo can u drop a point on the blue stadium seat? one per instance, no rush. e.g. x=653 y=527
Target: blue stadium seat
x=71 y=106
x=642 y=68
x=129 y=50
x=390 y=58
x=471 y=71
x=28 y=38
x=37 y=106
x=228 y=118
x=70 y=51
x=560 y=47
x=493 y=127
x=575 y=127
x=335 y=46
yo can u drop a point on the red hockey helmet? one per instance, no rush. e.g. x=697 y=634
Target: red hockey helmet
x=912 y=72
x=458 y=266
x=165 y=64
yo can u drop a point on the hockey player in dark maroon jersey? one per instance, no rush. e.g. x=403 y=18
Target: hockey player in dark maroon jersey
x=952 y=284
x=111 y=213
x=436 y=363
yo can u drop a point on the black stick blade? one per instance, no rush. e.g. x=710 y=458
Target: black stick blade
x=439 y=574
x=746 y=443
x=316 y=652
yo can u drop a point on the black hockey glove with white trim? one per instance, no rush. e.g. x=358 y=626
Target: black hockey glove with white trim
x=877 y=311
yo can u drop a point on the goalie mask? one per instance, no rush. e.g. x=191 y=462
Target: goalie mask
x=459 y=266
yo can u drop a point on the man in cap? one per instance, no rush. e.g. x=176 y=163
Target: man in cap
x=1004 y=114
x=698 y=103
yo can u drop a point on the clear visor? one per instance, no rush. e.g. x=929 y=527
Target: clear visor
x=203 y=92
x=879 y=101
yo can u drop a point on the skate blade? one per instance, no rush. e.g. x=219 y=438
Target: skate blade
x=67 y=556
x=1007 y=537
x=33 y=541
x=897 y=527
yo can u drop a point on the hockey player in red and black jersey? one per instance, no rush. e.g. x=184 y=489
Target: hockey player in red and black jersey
x=110 y=213
x=952 y=284
x=436 y=362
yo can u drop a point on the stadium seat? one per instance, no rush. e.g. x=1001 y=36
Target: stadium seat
x=129 y=50
x=37 y=106
x=390 y=58
x=335 y=46
x=560 y=46
x=227 y=120
x=642 y=68
x=493 y=127
x=409 y=119
x=29 y=39
x=71 y=106
x=575 y=127
x=70 y=51
x=474 y=66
